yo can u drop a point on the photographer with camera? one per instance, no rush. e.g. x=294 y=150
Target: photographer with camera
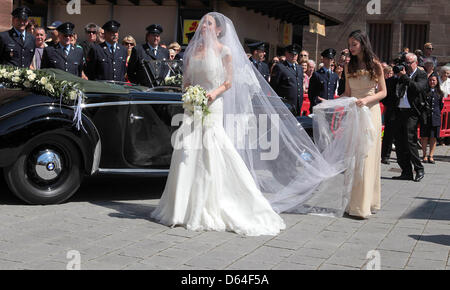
x=409 y=107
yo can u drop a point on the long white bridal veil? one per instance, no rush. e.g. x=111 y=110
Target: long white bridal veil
x=294 y=173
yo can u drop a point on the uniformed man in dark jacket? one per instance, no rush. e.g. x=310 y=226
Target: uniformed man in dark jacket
x=144 y=55
x=323 y=83
x=287 y=79
x=64 y=56
x=257 y=58
x=16 y=45
x=107 y=60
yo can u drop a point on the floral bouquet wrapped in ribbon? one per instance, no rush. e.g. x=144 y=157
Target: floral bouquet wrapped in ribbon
x=195 y=99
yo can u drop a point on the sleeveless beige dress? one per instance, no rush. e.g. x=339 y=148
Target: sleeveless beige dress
x=366 y=191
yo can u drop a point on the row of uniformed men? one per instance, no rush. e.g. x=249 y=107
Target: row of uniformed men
x=287 y=77
x=105 y=61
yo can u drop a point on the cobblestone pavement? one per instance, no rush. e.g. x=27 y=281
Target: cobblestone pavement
x=108 y=223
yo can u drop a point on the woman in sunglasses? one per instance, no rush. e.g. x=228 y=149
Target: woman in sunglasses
x=129 y=42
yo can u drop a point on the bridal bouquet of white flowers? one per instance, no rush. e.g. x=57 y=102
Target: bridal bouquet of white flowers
x=195 y=98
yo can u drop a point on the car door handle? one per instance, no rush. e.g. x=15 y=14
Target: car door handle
x=133 y=118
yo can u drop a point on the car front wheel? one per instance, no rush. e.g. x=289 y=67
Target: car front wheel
x=47 y=172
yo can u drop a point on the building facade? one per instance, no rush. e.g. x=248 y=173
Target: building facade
x=275 y=30
x=391 y=24
x=399 y=24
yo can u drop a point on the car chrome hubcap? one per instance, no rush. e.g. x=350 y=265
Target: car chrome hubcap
x=48 y=165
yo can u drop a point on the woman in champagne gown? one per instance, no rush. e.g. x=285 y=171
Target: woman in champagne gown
x=209 y=186
x=365 y=81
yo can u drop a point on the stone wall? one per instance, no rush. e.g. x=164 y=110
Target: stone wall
x=5 y=14
x=354 y=15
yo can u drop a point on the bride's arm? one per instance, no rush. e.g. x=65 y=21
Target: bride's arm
x=227 y=61
x=382 y=91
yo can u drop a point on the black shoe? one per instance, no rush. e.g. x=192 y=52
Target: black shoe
x=404 y=177
x=385 y=161
x=420 y=174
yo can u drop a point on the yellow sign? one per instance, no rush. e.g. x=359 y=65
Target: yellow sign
x=316 y=25
x=287 y=33
x=189 y=25
x=37 y=20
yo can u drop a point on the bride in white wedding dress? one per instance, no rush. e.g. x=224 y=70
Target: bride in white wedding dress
x=250 y=159
x=209 y=186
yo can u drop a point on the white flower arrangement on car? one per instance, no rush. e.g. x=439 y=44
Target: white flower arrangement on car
x=40 y=82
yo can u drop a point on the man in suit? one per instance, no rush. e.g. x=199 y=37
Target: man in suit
x=287 y=79
x=16 y=45
x=323 y=83
x=390 y=105
x=107 y=60
x=257 y=58
x=143 y=56
x=410 y=106
x=64 y=55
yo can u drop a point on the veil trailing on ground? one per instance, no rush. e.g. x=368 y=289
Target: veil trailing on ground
x=293 y=173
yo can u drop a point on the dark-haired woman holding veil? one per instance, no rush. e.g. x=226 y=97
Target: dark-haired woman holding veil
x=365 y=81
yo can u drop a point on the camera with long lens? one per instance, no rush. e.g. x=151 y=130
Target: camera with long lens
x=400 y=63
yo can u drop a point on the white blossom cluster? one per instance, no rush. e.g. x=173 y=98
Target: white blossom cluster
x=39 y=82
x=195 y=97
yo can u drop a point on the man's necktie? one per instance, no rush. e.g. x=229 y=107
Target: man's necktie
x=66 y=50
x=21 y=38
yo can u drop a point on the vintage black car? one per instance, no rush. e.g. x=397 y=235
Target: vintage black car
x=127 y=129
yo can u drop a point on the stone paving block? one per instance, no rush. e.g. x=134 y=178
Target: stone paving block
x=245 y=264
x=290 y=245
x=45 y=265
x=305 y=260
x=112 y=241
x=93 y=265
x=182 y=232
x=292 y=219
x=315 y=253
x=293 y=266
x=140 y=266
x=194 y=246
x=92 y=252
x=431 y=255
x=116 y=260
x=346 y=261
x=393 y=259
x=337 y=267
x=209 y=262
x=269 y=255
x=216 y=238
x=182 y=255
x=11 y=265
x=423 y=264
x=162 y=261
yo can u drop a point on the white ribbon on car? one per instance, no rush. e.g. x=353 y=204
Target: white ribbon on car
x=77 y=116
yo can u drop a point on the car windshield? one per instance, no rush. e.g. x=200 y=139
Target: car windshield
x=165 y=73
